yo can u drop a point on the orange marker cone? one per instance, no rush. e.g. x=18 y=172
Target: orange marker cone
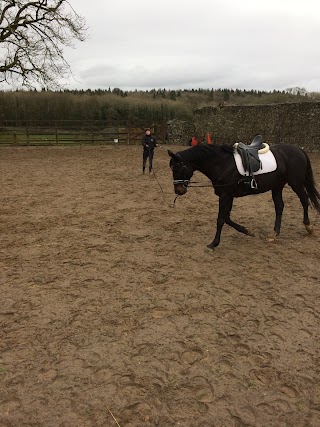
x=194 y=141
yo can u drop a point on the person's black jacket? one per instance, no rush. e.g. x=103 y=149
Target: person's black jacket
x=149 y=140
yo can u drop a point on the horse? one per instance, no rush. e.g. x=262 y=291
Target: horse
x=217 y=162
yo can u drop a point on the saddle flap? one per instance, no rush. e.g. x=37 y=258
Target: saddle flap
x=250 y=157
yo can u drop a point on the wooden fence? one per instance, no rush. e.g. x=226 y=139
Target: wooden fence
x=65 y=135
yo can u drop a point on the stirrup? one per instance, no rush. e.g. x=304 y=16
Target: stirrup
x=254 y=184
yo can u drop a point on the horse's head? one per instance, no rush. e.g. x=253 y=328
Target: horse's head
x=181 y=172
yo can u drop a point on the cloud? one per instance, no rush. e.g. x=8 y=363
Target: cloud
x=217 y=43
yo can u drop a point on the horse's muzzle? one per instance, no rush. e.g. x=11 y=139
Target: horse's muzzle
x=180 y=189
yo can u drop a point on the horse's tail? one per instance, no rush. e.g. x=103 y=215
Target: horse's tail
x=310 y=186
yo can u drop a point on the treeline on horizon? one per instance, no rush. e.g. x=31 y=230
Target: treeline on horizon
x=118 y=107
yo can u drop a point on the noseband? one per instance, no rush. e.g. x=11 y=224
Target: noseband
x=184 y=182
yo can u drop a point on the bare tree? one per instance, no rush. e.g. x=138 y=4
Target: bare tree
x=32 y=37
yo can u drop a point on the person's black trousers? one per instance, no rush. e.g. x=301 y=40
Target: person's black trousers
x=147 y=154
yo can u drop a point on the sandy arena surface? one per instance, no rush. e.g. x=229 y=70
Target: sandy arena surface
x=114 y=313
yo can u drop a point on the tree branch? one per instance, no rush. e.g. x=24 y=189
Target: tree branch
x=33 y=35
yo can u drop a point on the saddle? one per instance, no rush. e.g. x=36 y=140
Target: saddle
x=250 y=157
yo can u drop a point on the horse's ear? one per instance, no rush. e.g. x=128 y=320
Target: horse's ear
x=173 y=156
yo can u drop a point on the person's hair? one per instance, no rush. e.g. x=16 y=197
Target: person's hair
x=147 y=129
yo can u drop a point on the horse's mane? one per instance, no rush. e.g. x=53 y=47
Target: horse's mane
x=200 y=152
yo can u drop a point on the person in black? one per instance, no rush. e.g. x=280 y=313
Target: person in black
x=149 y=143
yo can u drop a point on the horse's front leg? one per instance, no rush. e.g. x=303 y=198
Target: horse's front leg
x=236 y=226
x=278 y=206
x=225 y=206
x=239 y=227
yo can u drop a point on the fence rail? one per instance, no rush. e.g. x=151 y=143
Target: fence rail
x=64 y=136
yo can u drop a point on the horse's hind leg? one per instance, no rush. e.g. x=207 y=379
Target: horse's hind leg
x=301 y=193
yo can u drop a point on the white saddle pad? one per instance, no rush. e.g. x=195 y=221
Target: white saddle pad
x=268 y=163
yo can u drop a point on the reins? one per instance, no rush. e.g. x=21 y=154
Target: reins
x=164 y=197
x=199 y=184
x=171 y=205
x=202 y=184
x=190 y=184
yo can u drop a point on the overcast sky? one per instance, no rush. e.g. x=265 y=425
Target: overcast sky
x=181 y=44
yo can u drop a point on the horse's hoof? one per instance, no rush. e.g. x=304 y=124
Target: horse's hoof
x=211 y=246
x=309 y=229
x=272 y=238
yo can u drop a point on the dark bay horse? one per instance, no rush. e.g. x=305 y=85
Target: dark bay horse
x=218 y=164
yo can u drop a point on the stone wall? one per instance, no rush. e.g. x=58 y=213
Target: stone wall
x=180 y=132
x=292 y=123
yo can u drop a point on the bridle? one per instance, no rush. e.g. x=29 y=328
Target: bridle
x=184 y=181
x=196 y=184
x=187 y=183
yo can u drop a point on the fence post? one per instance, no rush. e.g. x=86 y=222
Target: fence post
x=57 y=138
x=28 y=139
x=14 y=137
x=128 y=135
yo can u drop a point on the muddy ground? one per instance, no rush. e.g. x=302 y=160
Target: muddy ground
x=113 y=313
